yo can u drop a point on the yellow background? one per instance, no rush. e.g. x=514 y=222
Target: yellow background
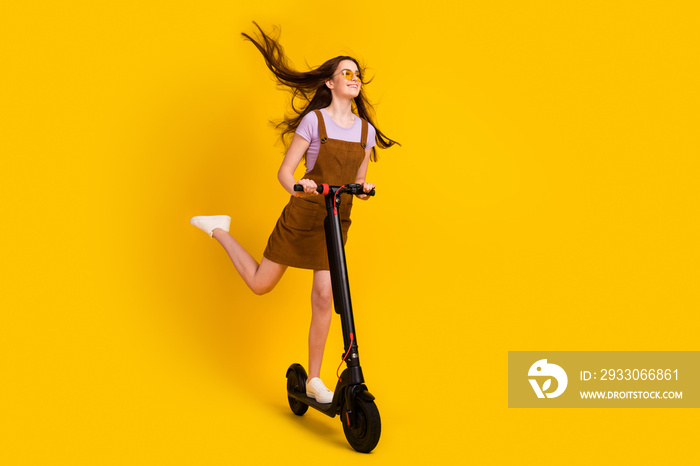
x=545 y=198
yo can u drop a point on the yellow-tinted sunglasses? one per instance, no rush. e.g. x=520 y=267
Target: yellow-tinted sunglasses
x=348 y=74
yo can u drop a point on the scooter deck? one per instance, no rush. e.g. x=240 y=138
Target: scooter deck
x=325 y=408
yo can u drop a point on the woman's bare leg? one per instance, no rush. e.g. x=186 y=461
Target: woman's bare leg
x=261 y=278
x=321 y=313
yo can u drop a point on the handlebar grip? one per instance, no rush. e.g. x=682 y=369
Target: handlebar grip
x=298 y=187
x=371 y=193
x=356 y=188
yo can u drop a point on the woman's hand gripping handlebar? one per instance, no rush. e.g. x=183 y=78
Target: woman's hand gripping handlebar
x=354 y=188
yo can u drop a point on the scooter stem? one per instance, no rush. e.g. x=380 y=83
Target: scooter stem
x=340 y=283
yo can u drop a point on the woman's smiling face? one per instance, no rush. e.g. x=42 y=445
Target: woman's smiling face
x=340 y=85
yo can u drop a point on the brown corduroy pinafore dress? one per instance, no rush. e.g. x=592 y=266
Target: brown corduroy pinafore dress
x=299 y=239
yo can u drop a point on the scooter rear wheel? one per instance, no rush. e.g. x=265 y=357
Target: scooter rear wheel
x=296 y=383
x=364 y=435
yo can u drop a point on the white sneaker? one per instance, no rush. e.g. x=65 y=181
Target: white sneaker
x=208 y=223
x=316 y=390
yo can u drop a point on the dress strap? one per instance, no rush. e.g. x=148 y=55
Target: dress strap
x=365 y=129
x=321 y=126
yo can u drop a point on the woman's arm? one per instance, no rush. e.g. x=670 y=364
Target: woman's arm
x=291 y=161
x=362 y=174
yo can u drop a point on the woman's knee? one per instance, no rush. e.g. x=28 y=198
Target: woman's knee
x=261 y=289
x=322 y=298
x=266 y=277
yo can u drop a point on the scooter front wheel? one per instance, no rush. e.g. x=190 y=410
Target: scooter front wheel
x=363 y=436
x=296 y=383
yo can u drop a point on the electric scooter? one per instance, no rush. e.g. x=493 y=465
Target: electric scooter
x=351 y=399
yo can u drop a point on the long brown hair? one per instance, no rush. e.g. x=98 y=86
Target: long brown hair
x=310 y=88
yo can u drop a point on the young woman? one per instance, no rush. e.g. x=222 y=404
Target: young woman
x=337 y=145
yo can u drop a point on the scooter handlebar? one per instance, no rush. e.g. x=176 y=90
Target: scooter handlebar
x=354 y=188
